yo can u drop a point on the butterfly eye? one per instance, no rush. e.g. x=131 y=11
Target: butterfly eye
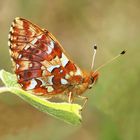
x=91 y=82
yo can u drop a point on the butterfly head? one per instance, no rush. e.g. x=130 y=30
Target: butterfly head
x=93 y=79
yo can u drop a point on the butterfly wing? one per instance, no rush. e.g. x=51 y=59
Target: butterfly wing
x=39 y=60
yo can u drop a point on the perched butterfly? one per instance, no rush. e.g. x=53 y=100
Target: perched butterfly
x=41 y=64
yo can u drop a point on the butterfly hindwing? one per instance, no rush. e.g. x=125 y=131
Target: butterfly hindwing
x=40 y=62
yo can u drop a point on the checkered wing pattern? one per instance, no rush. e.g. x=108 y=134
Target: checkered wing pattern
x=39 y=60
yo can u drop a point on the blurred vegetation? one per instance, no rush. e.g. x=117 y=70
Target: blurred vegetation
x=113 y=108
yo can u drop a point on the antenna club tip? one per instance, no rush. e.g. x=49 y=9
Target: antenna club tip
x=95 y=47
x=123 y=52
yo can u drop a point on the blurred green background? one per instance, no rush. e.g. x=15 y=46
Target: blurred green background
x=113 y=108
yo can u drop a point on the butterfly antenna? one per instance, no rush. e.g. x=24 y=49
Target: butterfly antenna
x=93 y=58
x=111 y=60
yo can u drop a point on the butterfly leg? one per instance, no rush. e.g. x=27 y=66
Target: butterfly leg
x=70 y=97
x=85 y=101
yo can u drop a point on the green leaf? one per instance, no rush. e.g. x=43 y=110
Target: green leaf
x=69 y=113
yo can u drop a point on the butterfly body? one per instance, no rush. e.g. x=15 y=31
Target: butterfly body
x=41 y=64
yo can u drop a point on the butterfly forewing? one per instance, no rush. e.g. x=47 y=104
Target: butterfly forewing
x=39 y=60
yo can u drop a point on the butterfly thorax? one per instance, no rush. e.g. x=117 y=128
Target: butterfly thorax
x=86 y=82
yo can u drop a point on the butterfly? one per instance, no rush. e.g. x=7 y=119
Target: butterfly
x=42 y=65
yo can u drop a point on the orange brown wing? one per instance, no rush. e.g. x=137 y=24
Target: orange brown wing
x=39 y=60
